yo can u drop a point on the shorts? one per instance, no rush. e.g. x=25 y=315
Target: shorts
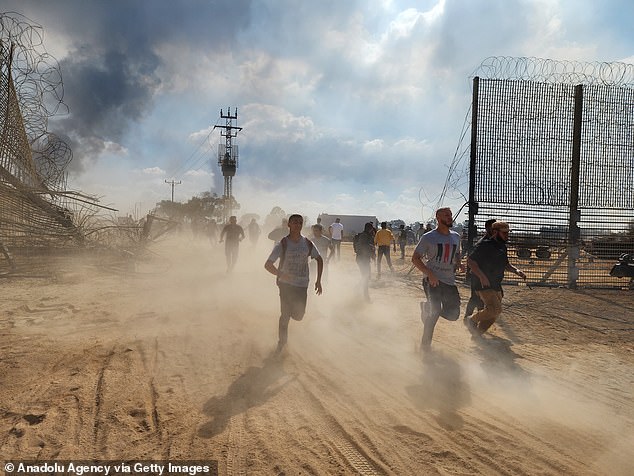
x=292 y=301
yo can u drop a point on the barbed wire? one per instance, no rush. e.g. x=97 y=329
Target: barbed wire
x=37 y=80
x=556 y=71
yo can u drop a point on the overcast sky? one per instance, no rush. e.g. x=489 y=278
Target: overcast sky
x=347 y=107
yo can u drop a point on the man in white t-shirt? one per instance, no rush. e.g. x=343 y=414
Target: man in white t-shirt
x=293 y=251
x=336 y=235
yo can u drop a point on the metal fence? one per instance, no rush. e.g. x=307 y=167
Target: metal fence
x=40 y=219
x=552 y=152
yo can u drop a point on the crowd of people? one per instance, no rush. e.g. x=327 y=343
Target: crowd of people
x=296 y=260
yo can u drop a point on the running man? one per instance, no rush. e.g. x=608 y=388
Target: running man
x=336 y=236
x=383 y=239
x=474 y=300
x=232 y=234
x=441 y=248
x=488 y=262
x=293 y=251
x=325 y=248
x=363 y=245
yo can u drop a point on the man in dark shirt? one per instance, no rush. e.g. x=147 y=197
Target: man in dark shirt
x=488 y=261
x=402 y=240
x=232 y=234
x=363 y=245
x=254 y=231
x=474 y=299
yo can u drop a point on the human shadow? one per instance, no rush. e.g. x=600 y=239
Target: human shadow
x=499 y=360
x=442 y=388
x=251 y=389
x=508 y=330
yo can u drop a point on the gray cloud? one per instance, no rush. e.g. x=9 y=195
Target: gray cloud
x=111 y=72
x=330 y=89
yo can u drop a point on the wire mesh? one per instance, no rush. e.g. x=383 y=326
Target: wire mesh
x=565 y=232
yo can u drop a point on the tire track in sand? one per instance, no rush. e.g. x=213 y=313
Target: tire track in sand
x=236 y=458
x=97 y=442
x=125 y=406
x=344 y=443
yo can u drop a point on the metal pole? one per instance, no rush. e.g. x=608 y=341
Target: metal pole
x=573 y=222
x=473 y=205
x=172 y=183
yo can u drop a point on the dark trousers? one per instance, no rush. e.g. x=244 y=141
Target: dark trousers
x=444 y=301
x=473 y=303
x=383 y=251
x=231 y=253
x=292 y=305
x=474 y=300
x=364 y=267
x=402 y=244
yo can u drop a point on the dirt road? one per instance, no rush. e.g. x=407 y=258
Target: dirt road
x=173 y=362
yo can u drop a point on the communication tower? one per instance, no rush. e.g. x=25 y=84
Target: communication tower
x=228 y=156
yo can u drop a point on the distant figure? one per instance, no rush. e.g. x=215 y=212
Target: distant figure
x=212 y=231
x=325 y=248
x=488 y=262
x=474 y=299
x=420 y=232
x=402 y=240
x=363 y=245
x=441 y=248
x=232 y=234
x=383 y=239
x=336 y=235
x=293 y=251
x=254 y=231
x=280 y=232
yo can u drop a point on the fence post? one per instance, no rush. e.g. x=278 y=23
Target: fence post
x=473 y=206
x=575 y=216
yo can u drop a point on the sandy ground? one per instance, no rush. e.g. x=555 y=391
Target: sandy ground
x=174 y=362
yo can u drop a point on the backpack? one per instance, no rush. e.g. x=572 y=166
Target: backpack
x=361 y=245
x=284 y=245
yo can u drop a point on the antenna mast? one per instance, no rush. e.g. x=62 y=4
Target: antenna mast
x=228 y=156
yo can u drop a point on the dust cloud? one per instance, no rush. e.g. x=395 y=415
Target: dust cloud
x=177 y=356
